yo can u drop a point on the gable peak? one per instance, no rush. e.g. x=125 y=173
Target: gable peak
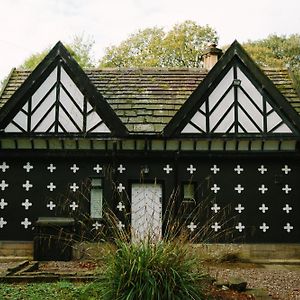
x=235 y=98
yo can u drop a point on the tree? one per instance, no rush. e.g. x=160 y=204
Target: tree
x=277 y=51
x=80 y=48
x=141 y=49
x=182 y=46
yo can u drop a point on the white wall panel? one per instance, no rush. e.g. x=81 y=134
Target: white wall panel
x=220 y=89
x=250 y=109
x=221 y=109
x=71 y=108
x=42 y=109
x=71 y=88
x=44 y=88
x=200 y=120
x=250 y=88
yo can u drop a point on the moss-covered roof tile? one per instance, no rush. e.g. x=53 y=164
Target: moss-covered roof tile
x=146 y=99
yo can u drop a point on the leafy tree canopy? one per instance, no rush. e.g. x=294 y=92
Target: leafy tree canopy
x=182 y=46
x=277 y=51
x=80 y=48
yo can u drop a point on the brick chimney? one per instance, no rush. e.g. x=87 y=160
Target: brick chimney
x=211 y=56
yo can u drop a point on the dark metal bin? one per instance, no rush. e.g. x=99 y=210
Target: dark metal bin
x=54 y=238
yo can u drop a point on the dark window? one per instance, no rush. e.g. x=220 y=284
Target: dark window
x=96 y=198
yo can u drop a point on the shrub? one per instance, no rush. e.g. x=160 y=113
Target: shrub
x=163 y=270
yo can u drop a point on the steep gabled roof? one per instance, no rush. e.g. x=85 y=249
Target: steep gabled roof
x=235 y=98
x=45 y=86
x=145 y=100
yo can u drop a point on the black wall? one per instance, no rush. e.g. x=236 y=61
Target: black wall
x=200 y=212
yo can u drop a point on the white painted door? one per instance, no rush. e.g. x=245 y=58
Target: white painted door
x=146 y=211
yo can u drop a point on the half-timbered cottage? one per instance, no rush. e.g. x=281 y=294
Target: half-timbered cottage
x=74 y=141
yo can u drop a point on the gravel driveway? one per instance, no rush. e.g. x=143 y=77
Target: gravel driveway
x=281 y=281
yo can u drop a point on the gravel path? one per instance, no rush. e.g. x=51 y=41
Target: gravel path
x=282 y=282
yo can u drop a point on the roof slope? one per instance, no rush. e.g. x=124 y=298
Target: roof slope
x=146 y=99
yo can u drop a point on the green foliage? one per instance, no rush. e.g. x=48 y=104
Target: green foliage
x=140 y=49
x=50 y=291
x=277 y=51
x=80 y=48
x=155 y=271
x=182 y=46
x=34 y=59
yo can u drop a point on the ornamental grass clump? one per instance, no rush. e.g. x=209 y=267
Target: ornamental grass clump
x=162 y=270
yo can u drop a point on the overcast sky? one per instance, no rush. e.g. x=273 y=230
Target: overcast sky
x=29 y=26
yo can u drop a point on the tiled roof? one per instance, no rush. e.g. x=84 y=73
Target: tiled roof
x=146 y=99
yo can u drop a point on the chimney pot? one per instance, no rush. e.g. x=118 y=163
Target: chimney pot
x=211 y=56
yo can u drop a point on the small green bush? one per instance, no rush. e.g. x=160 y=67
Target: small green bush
x=163 y=270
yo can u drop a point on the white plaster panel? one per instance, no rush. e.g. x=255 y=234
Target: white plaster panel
x=220 y=89
x=71 y=88
x=250 y=88
x=250 y=109
x=221 y=109
x=44 y=88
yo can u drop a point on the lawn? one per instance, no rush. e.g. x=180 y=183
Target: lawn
x=62 y=290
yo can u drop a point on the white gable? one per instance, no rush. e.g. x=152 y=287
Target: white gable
x=236 y=106
x=57 y=106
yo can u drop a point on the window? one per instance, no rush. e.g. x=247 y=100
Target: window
x=96 y=198
x=189 y=192
x=188 y=203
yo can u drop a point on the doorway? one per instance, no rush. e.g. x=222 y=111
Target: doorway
x=146 y=211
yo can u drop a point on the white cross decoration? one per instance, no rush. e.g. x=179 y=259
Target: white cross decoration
x=263 y=208
x=262 y=188
x=216 y=226
x=51 y=205
x=2 y=222
x=264 y=227
x=120 y=206
x=4 y=166
x=74 y=168
x=286 y=169
x=28 y=167
x=97 y=168
x=3 y=203
x=74 y=187
x=238 y=169
x=26 y=223
x=73 y=205
x=51 y=168
x=27 y=185
x=97 y=225
x=3 y=185
x=240 y=227
x=288 y=227
x=191 y=169
x=26 y=204
x=215 y=188
x=121 y=169
x=239 y=188
x=287 y=208
x=215 y=208
x=51 y=186
x=215 y=169
x=286 y=189
x=168 y=169
x=239 y=208
x=120 y=188
x=262 y=169
x=192 y=226
x=120 y=225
